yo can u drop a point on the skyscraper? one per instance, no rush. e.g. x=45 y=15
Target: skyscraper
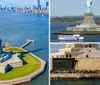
x=1 y=7
x=1 y=50
x=39 y=6
x=47 y=4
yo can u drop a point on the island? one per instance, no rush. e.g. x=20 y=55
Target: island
x=86 y=26
x=18 y=65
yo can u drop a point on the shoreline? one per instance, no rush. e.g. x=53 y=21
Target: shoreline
x=22 y=12
x=75 y=76
x=28 y=77
x=77 y=32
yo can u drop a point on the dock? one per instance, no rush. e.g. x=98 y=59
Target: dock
x=27 y=43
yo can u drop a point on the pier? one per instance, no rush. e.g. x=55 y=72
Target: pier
x=27 y=43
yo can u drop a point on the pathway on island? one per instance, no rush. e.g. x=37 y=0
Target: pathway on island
x=27 y=43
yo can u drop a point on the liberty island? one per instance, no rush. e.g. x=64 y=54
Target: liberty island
x=88 y=25
x=14 y=58
x=32 y=63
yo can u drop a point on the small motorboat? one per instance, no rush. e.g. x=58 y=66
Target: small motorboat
x=76 y=36
x=66 y=37
x=70 y=37
x=81 y=38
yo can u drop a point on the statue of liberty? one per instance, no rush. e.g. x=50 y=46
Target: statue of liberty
x=89 y=5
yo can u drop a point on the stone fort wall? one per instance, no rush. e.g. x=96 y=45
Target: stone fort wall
x=83 y=64
x=87 y=64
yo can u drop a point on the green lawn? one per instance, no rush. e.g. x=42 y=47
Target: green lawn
x=32 y=64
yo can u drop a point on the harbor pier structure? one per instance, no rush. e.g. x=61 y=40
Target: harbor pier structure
x=27 y=43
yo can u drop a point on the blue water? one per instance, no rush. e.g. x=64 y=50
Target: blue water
x=15 y=28
x=56 y=26
x=76 y=82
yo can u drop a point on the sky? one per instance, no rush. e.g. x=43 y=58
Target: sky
x=55 y=47
x=72 y=7
x=20 y=3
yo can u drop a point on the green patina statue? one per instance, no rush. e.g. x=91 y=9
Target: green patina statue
x=89 y=5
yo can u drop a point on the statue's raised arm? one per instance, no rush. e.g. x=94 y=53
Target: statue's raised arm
x=89 y=5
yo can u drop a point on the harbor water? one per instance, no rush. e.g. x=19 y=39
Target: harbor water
x=15 y=28
x=76 y=82
x=59 y=26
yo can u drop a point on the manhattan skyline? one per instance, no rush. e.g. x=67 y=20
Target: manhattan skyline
x=72 y=7
x=22 y=3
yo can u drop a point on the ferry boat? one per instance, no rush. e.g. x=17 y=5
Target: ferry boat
x=70 y=37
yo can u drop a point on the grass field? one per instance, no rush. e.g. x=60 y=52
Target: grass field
x=31 y=64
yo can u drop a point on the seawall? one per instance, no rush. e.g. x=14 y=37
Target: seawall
x=74 y=75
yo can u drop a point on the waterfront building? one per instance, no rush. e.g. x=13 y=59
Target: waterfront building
x=5 y=8
x=34 y=9
x=0 y=7
x=47 y=4
x=1 y=50
x=39 y=6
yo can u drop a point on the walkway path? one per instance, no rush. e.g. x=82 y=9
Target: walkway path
x=27 y=43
